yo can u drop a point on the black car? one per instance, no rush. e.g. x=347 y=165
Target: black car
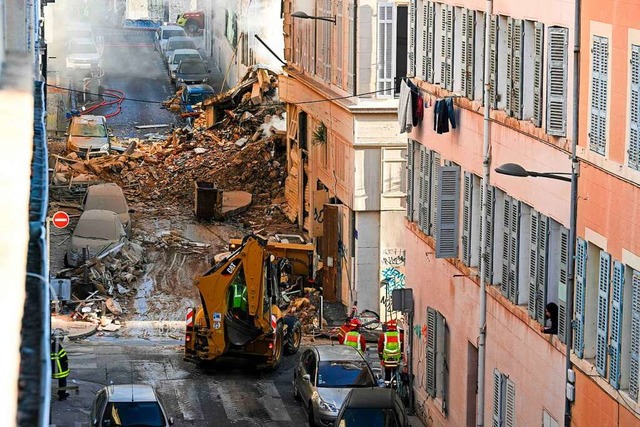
x=372 y=407
x=191 y=72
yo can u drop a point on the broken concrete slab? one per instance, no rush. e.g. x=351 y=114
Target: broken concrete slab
x=234 y=202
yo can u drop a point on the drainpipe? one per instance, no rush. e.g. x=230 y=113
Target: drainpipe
x=575 y=172
x=355 y=47
x=486 y=163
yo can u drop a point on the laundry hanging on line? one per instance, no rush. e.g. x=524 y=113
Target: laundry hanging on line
x=411 y=106
x=443 y=115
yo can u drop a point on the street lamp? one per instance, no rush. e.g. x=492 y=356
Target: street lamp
x=302 y=15
x=513 y=169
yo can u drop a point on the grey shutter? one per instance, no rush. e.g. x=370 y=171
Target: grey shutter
x=514 y=234
x=467 y=44
x=557 y=81
x=488 y=250
x=517 y=69
x=509 y=91
x=493 y=59
x=537 y=73
x=634 y=363
x=510 y=404
x=541 y=282
x=599 y=89
x=431 y=351
x=385 y=49
x=433 y=189
x=497 y=398
x=581 y=293
x=446 y=66
x=562 y=285
x=447 y=212
x=467 y=215
x=411 y=51
x=431 y=40
x=444 y=356
x=410 y=175
x=634 y=110
x=422 y=188
x=423 y=45
x=351 y=72
x=616 y=324
x=602 y=323
x=533 y=264
x=506 y=227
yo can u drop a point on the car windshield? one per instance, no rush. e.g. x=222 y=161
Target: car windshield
x=370 y=417
x=195 y=98
x=83 y=48
x=88 y=129
x=109 y=203
x=96 y=229
x=192 y=68
x=345 y=374
x=180 y=44
x=138 y=414
x=179 y=57
x=172 y=33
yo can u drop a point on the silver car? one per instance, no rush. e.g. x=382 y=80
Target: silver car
x=175 y=43
x=108 y=197
x=177 y=56
x=98 y=231
x=324 y=376
x=83 y=55
x=128 y=405
x=88 y=134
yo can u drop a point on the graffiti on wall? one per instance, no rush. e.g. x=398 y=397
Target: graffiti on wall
x=393 y=257
x=392 y=271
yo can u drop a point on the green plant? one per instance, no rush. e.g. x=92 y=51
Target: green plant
x=320 y=134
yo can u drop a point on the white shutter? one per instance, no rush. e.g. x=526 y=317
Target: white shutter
x=411 y=50
x=509 y=91
x=410 y=175
x=351 y=66
x=506 y=222
x=634 y=364
x=517 y=69
x=510 y=404
x=537 y=73
x=599 y=90
x=447 y=212
x=497 y=398
x=602 y=322
x=581 y=292
x=328 y=28
x=617 y=282
x=487 y=251
x=533 y=263
x=385 y=49
x=634 y=110
x=541 y=282
x=557 y=81
x=425 y=189
x=562 y=285
x=467 y=74
x=423 y=41
x=430 y=45
x=514 y=233
x=493 y=59
x=339 y=42
x=467 y=215
x=446 y=66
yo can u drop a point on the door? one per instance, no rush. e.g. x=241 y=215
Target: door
x=309 y=363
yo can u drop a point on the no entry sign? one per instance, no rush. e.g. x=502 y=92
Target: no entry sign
x=60 y=219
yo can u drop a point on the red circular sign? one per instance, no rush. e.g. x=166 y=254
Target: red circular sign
x=60 y=219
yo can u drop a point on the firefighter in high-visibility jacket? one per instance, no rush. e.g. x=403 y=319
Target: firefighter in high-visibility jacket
x=59 y=367
x=390 y=348
x=354 y=338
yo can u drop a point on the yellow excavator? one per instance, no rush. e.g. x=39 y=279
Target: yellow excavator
x=240 y=314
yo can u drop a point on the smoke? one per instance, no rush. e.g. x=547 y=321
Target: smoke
x=262 y=18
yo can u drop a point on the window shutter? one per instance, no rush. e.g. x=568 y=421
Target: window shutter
x=493 y=59
x=425 y=163
x=467 y=215
x=562 y=285
x=516 y=69
x=444 y=356
x=431 y=351
x=411 y=51
x=634 y=364
x=506 y=227
x=599 y=88
x=431 y=35
x=351 y=72
x=514 y=233
x=533 y=263
x=509 y=91
x=488 y=250
x=410 y=175
x=339 y=43
x=423 y=44
x=385 y=48
x=320 y=41
x=557 y=81
x=510 y=404
x=328 y=28
x=497 y=398
x=537 y=73
x=447 y=212
x=616 y=324
x=602 y=323
x=446 y=67
x=581 y=291
x=634 y=113
x=468 y=52
x=541 y=282
x=433 y=189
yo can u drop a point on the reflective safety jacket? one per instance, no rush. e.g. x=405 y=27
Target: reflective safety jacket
x=59 y=362
x=352 y=339
x=391 y=350
x=239 y=297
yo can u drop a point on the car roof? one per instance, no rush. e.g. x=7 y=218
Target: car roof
x=179 y=39
x=370 y=398
x=107 y=189
x=183 y=51
x=99 y=214
x=131 y=393
x=89 y=119
x=337 y=352
x=82 y=40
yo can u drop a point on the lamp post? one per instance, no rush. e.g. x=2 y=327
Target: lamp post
x=516 y=170
x=302 y=15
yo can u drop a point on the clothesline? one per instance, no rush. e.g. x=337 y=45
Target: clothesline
x=413 y=87
x=412 y=105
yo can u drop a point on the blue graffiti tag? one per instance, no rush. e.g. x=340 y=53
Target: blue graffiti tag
x=394 y=278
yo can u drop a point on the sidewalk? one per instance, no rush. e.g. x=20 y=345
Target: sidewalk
x=72 y=329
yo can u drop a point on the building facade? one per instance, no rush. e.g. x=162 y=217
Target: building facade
x=346 y=158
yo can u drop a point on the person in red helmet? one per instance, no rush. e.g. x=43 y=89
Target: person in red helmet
x=354 y=338
x=390 y=348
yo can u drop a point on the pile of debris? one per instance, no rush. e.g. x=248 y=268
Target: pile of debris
x=304 y=308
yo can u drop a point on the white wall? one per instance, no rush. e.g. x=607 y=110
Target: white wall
x=367 y=259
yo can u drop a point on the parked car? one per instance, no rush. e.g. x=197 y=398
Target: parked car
x=192 y=72
x=83 y=55
x=163 y=34
x=98 y=230
x=324 y=376
x=193 y=95
x=128 y=405
x=177 y=56
x=378 y=407
x=108 y=197
x=88 y=134
x=179 y=42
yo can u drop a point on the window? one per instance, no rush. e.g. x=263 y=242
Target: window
x=504 y=400
x=514 y=67
x=400 y=46
x=634 y=360
x=493 y=61
x=411 y=50
x=323 y=41
x=633 y=151
x=428 y=44
x=510 y=246
x=599 y=94
x=393 y=178
x=557 y=81
x=339 y=42
x=447 y=212
x=548 y=420
x=446 y=46
x=411 y=147
x=538 y=63
x=437 y=355
x=487 y=251
x=351 y=66
x=385 y=63
x=429 y=164
x=471 y=209
x=467 y=52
